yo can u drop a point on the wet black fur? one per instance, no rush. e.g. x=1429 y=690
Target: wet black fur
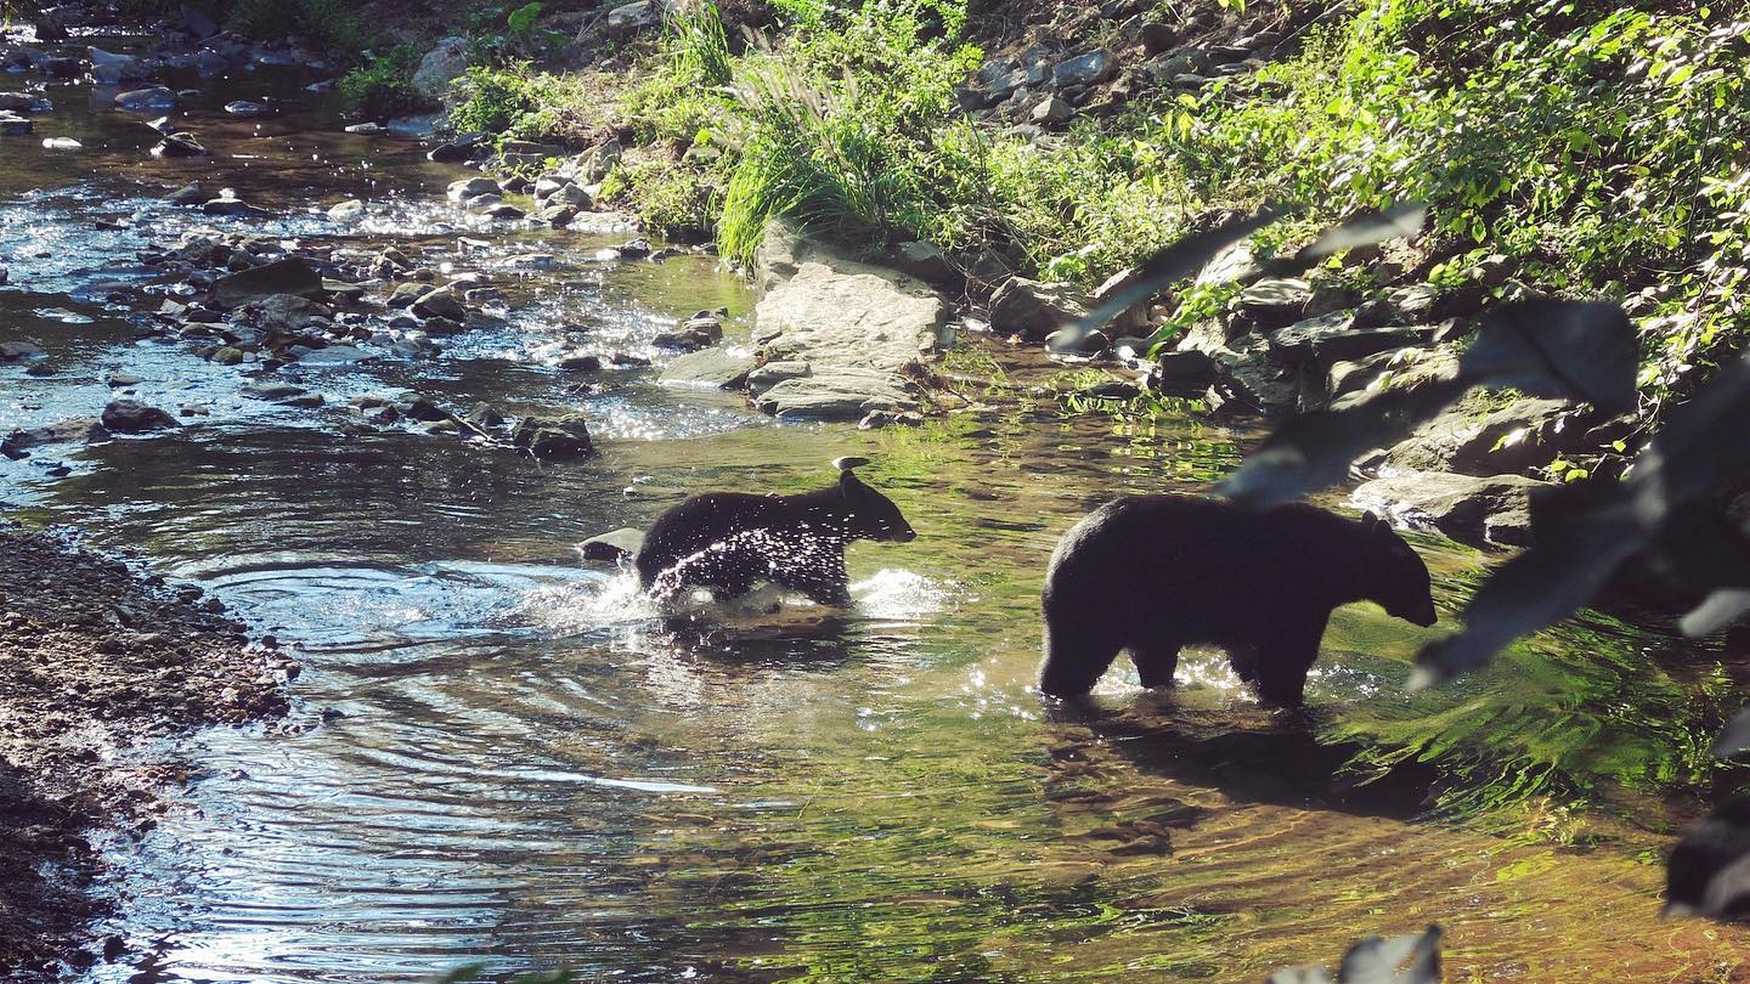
x=728 y=541
x=1151 y=574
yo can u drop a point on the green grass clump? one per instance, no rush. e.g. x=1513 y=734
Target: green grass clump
x=329 y=24
x=383 y=86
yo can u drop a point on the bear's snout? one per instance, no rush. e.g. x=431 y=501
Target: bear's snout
x=1424 y=615
x=905 y=535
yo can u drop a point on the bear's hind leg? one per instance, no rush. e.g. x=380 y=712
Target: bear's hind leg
x=1156 y=661
x=1074 y=659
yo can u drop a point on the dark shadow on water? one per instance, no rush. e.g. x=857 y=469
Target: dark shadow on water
x=1251 y=754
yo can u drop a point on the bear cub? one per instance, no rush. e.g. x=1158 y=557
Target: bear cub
x=1151 y=574
x=728 y=541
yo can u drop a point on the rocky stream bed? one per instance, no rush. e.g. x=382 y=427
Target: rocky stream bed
x=355 y=708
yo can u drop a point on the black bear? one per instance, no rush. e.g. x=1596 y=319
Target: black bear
x=728 y=541
x=1153 y=573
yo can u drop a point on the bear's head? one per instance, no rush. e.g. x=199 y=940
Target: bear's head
x=869 y=515
x=1398 y=577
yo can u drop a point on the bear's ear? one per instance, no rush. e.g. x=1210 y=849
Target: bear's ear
x=1369 y=518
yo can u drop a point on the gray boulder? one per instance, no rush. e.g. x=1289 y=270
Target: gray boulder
x=1331 y=338
x=772 y=373
x=713 y=368
x=441 y=65
x=441 y=302
x=1034 y=309
x=134 y=417
x=86 y=429
x=1094 y=67
x=1271 y=303
x=1236 y=264
x=841 y=394
x=468 y=189
x=615 y=546
x=632 y=18
x=554 y=437
x=109 y=68
x=925 y=262
x=1526 y=433
x=1401 y=368
x=19 y=350
x=1489 y=510
x=141 y=100
x=1248 y=386
x=288 y=276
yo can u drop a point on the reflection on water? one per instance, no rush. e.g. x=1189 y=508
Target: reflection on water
x=501 y=754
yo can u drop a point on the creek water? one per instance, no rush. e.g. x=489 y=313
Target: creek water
x=499 y=755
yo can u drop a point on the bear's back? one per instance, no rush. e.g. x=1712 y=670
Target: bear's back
x=1198 y=569
x=702 y=520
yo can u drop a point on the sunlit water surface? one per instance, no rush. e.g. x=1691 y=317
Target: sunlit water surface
x=501 y=754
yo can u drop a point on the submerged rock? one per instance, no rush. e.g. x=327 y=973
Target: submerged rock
x=235 y=207
x=86 y=429
x=14 y=125
x=350 y=210
x=471 y=188
x=243 y=107
x=620 y=544
x=441 y=302
x=134 y=417
x=179 y=145
x=293 y=275
x=108 y=68
x=189 y=194
x=142 y=100
x=715 y=368
x=19 y=350
x=273 y=391
x=554 y=437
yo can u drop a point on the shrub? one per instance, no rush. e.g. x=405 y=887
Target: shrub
x=326 y=23
x=383 y=85
x=494 y=100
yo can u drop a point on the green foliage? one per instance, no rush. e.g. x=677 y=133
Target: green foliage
x=502 y=34
x=496 y=100
x=383 y=85
x=840 y=133
x=698 y=45
x=330 y=24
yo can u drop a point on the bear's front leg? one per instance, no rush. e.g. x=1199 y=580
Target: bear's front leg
x=1156 y=662
x=1286 y=655
x=821 y=575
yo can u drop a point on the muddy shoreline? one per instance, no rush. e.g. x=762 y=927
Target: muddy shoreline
x=101 y=665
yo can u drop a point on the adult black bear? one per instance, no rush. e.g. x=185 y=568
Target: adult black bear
x=1153 y=573
x=727 y=541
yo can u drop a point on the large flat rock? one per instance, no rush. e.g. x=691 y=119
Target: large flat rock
x=860 y=328
x=841 y=394
x=1491 y=510
x=713 y=368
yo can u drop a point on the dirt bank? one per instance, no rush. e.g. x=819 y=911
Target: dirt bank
x=98 y=663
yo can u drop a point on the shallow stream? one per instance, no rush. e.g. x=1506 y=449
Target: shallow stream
x=498 y=754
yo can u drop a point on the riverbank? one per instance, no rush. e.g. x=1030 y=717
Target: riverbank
x=99 y=666
x=1027 y=154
